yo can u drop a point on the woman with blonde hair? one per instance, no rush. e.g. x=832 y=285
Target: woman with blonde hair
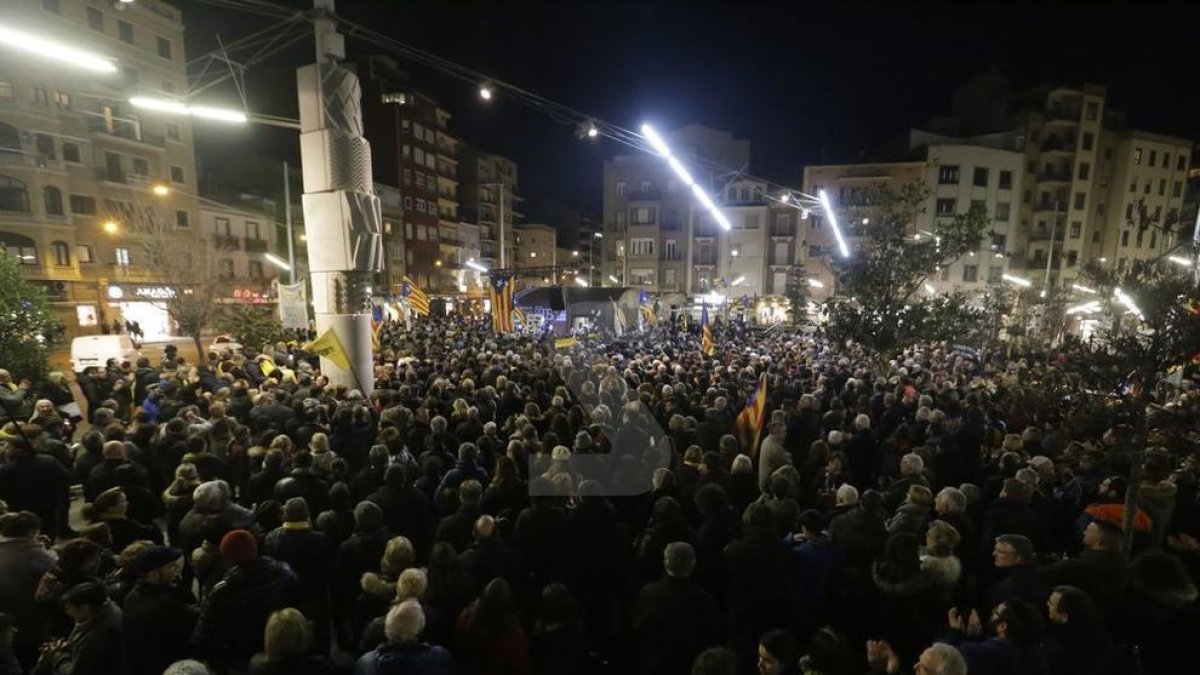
x=939 y=560
x=323 y=457
x=286 y=644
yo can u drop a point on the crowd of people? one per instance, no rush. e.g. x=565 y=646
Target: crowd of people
x=498 y=506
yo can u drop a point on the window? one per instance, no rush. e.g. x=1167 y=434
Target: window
x=1177 y=189
x=1092 y=110
x=252 y=230
x=970 y=273
x=181 y=219
x=1148 y=186
x=1129 y=212
x=1133 y=185
x=226 y=270
x=41 y=96
x=622 y=218
x=176 y=174
x=13 y=195
x=1162 y=186
x=164 y=48
x=745 y=194
x=420 y=205
x=406 y=152
x=641 y=216
x=620 y=188
x=52 y=200
x=408 y=204
x=7 y=93
x=1085 y=170
x=256 y=269
x=121 y=256
x=84 y=253
x=1137 y=156
x=50 y=6
x=1125 y=238
x=981 y=177
x=670 y=250
x=750 y=221
x=995 y=273
x=668 y=277
x=44 y=145
x=1141 y=236
x=1076 y=229
x=1028 y=196
x=173 y=132
x=21 y=249
x=95 y=19
x=1006 y=180
x=1080 y=200
x=948 y=175
x=83 y=205
x=945 y=207
x=1166 y=160
x=1089 y=139
x=999 y=241
x=814 y=251
x=642 y=247
x=141 y=167
x=1003 y=211
x=1153 y=157
x=1180 y=162
x=62 y=253
x=979 y=205
x=1153 y=240
x=645 y=186
x=71 y=153
x=670 y=218
x=125 y=31
x=1072 y=258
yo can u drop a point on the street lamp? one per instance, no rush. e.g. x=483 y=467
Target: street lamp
x=277 y=261
x=161 y=190
x=175 y=107
x=111 y=226
x=591 y=255
x=1024 y=283
x=16 y=38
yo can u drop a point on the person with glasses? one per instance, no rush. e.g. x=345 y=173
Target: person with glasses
x=1015 y=645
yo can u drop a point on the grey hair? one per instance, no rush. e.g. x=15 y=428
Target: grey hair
x=187 y=667
x=404 y=623
x=847 y=494
x=212 y=496
x=862 y=422
x=679 y=559
x=956 y=501
x=913 y=462
x=948 y=660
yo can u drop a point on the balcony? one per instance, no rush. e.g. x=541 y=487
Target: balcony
x=1047 y=205
x=123 y=130
x=643 y=195
x=1054 y=177
x=123 y=178
x=226 y=243
x=1062 y=115
x=669 y=224
x=783 y=230
x=674 y=255
x=704 y=259
x=707 y=232
x=1055 y=144
x=256 y=245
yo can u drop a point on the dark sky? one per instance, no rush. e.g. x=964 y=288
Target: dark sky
x=804 y=82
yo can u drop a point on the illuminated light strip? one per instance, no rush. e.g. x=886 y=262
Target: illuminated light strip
x=1016 y=280
x=179 y=108
x=48 y=49
x=660 y=146
x=837 y=231
x=1124 y=299
x=1083 y=289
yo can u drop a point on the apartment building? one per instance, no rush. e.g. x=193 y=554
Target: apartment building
x=413 y=149
x=391 y=206
x=76 y=157
x=537 y=252
x=242 y=239
x=655 y=235
x=960 y=173
x=487 y=193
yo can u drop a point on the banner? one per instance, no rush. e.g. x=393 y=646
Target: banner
x=293 y=306
x=329 y=345
x=564 y=343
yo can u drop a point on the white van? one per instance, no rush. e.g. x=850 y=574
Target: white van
x=96 y=350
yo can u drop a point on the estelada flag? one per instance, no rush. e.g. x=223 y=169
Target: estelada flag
x=417 y=299
x=500 y=292
x=330 y=346
x=749 y=423
x=707 y=346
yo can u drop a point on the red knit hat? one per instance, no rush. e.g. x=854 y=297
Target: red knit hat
x=239 y=546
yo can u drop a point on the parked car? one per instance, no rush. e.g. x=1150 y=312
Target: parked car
x=224 y=342
x=96 y=350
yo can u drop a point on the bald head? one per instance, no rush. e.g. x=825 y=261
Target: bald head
x=114 y=450
x=485 y=528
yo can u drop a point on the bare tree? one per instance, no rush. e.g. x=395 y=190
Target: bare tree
x=184 y=262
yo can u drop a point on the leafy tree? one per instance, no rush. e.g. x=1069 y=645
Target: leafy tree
x=1125 y=363
x=879 y=301
x=250 y=325
x=797 y=296
x=28 y=327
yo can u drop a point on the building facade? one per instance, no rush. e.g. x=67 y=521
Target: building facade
x=75 y=156
x=394 y=263
x=413 y=149
x=536 y=251
x=488 y=197
x=654 y=234
x=242 y=239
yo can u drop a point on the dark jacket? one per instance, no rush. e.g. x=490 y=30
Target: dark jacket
x=457 y=527
x=859 y=535
x=406 y=513
x=159 y=621
x=96 y=647
x=38 y=483
x=23 y=563
x=406 y=659
x=304 y=665
x=675 y=620
x=234 y=615
x=304 y=483
x=999 y=657
x=308 y=552
x=540 y=535
x=1013 y=516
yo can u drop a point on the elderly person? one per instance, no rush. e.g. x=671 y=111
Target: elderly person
x=913 y=514
x=213 y=498
x=404 y=652
x=912 y=472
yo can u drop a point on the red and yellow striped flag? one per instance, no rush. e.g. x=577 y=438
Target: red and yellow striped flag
x=500 y=292
x=749 y=423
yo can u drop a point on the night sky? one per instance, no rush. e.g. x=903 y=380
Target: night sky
x=805 y=83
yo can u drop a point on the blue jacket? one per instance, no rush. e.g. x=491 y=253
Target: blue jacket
x=813 y=561
x=999 y=657
x=389 y=659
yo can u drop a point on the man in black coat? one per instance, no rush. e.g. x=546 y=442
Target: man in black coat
x=864 y=454
x=490 y=557
x=370 y=477
x=304 y=481
x=1013 y=514
x=23 y=561
x=160 y=615
x=675 y=619
x=359 y=554
x=456 y=527
x=540 y=533
x=405 y=510
x=31 y=481
x=234 y=615
x=1101 y=569
x=1017 y=573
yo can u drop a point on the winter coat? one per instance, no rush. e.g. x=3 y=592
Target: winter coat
x=96 y=647
x=38 y=483
x=309 y=554
x=859 y=535
x=1013 y=516
x=911 y=518
x=999 y=657
x=234 y=615
x=23 y=563
x=159 y=621
x=303 y=665
x=389 y=659
x=675 y=620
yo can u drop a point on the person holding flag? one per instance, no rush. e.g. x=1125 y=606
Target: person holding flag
x=749 y=423
x=707 y=346
x=417 y=299
x=500 y=292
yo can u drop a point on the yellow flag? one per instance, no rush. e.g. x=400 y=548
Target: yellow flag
x=563 y=343
x=329 y=345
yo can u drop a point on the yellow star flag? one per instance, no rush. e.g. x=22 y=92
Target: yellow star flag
x=329 y=345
